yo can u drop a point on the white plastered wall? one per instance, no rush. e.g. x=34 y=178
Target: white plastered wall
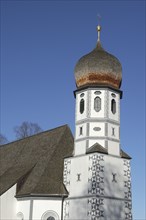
x=41 y=206
x=116 y=134
x=77 y=165
x=84 y=131
x=113 y=148
x=8 y=204
x=96 y=129
x=114 y=165
x=77 y=205
x=80 y=147
x=31 y=208
x=23 y=206
x=34 y=208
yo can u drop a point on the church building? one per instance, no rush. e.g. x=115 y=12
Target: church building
x=55 y=176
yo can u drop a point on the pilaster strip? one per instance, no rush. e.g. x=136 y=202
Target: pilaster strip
x=31 y=210
x=106 y=129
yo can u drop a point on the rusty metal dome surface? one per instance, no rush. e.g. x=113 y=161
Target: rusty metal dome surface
x=98 y=67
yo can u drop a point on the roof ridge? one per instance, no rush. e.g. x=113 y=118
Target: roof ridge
x=17 y=180
x=35 y=154
x=15 y=160
x=52 y=156
x=65 y=125
x=46 y=165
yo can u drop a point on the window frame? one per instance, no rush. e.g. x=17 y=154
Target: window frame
x=82 y=106
x=113 y=106
x=97 y=104
x=50 y=213
x=81 y=130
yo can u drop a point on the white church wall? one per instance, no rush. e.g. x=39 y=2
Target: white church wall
x=114 y=208
x=78 y=133
x=23 y=206
x=111 y=169
x=96 y=129
x=80 y=147
x=8 y=204
x=35 y=208
x=114 y=177
x=113 y=131
x=75 y=209
x=104 y=183
x=79 y=176
x=67 y=173
x=46 y=207
x=114 y=148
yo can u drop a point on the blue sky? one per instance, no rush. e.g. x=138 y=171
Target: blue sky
x=41 y=41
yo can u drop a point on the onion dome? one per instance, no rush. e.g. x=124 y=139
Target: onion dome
x=98 y=68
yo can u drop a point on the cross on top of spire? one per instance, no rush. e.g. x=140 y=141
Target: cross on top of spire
x=98 y=27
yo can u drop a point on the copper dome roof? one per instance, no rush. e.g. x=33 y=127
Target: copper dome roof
x=98 y=67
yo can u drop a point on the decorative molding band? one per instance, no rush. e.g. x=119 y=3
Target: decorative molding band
x=97 y=120
x=97 y=196
x=101 y=87
x=108 y=155
x=40 y=197
x=97 y=138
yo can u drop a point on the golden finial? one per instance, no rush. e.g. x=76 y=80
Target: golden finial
x=98 y=28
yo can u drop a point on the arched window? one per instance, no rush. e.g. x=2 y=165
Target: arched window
x=81 y=130
x=97 y=104
x=20 y=216
x=113 y=106
x=50 y=215
x=82 y=106
x=50 y=218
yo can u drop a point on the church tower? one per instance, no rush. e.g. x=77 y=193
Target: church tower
x=97 y=176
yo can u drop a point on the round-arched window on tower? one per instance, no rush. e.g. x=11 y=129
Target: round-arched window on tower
x=82 y=106
x=50 y=218
x=97 y=104
x=113 y=106
x=20 y=216
x=50 y=215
